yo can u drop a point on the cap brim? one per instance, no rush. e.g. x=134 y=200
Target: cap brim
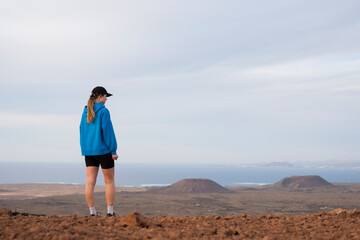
x=108 y=94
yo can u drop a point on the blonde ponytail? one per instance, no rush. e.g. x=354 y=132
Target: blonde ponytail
x=90 y=110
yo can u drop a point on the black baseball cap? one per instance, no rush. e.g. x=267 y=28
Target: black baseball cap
x=101 y=91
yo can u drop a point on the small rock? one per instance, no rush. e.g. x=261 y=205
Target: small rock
x=338 y=210
x=229 y=233
x=213 y=231
x=5 y=211
x=135 y=219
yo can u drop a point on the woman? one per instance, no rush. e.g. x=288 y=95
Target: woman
x=98 y=145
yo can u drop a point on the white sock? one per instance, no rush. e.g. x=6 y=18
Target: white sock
x=92 y=210
x=110 y=209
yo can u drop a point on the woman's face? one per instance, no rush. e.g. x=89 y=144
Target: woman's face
x=102 y=98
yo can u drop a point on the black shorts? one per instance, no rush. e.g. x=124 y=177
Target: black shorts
x=105 y=161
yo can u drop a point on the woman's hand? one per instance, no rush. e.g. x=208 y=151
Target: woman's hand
x=115 y=157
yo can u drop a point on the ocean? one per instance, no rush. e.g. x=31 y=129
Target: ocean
x=147 y=175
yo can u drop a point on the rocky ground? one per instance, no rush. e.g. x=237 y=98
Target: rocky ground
x=336 y=224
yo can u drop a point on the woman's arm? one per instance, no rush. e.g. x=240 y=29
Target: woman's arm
x=108 y=132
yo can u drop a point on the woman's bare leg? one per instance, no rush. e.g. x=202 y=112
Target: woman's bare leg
x=110 y=185
x=91 y=174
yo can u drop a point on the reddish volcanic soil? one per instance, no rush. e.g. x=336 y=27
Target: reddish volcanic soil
x=337 y=224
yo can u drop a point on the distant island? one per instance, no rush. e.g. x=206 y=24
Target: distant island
x=300 y=164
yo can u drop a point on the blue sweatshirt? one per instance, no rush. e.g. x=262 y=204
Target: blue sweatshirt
x=98 y=137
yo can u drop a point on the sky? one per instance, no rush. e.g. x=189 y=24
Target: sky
x=207 y=82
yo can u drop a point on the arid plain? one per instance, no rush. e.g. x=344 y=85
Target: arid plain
x=62 y=199
x=302 y=208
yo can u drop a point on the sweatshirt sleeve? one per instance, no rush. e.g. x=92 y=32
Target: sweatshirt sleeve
x=108 y=131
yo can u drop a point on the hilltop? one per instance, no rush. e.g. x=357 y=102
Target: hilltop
x=311 y=181
x=192 y=185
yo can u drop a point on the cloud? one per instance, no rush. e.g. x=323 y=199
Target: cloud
x=65 y=42
x=188 y=77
